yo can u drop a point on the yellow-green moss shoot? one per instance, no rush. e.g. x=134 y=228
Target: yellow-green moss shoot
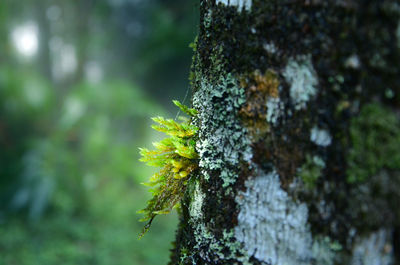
x=178 y=160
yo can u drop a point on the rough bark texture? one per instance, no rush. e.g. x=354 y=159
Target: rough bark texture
x=299 y=134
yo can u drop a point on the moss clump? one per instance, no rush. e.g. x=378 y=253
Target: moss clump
x=177 y=158
x=311 y=170
x=375 y=136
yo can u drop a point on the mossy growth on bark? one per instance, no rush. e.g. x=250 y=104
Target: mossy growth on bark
x=311 y=170
x=177 y=158
x=375 y=135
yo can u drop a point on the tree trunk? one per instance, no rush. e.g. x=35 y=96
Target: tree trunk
x=45 y=60
x=299 y=134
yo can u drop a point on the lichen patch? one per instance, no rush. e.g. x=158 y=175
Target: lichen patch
x=374 y=249
x=272 y=227
x=275 y=109
x=270 y=48
x=320 y=137
x=241 y=4
x=196 y=204
x=223 y=142
x=303 y=81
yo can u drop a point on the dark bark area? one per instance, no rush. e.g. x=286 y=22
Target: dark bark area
x=308 y=91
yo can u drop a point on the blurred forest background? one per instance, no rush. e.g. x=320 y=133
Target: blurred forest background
x=79 y=81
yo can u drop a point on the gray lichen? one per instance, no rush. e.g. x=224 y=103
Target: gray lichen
x=320 y=137
x=275 y=109
x=376 y=249
x=246 y=4
x=222 y=145
x=210 y=247
x=225 y=248
x=272 y=227
x=196 y=202
x=324 y=250
x=270 y=48
x=207 y=19
x=303 y=81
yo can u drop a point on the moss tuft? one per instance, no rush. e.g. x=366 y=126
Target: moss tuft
x=311 y=170
x=177 y=158
x=375 y=136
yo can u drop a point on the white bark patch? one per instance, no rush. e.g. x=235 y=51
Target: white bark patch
x=374 y=250
x=301 y=76
x=320 y=137
x=271 y=226
x=246 y=4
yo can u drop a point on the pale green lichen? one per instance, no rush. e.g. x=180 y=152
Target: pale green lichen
x=222 y=145
x=270 y=47
x=223 y=141
x=213 y=249
x=302 y=78
x=325 y=250
x=275 y=109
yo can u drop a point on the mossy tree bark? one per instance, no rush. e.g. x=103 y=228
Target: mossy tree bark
x=299 y=134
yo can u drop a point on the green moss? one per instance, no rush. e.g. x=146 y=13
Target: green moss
x=311 y=170
x=375 y=136
x=177 y=158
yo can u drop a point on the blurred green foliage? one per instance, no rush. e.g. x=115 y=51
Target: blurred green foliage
x=69 y=169
x=83 y=169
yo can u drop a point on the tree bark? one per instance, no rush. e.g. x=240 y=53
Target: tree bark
x=299 y=134
x=45 y=60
